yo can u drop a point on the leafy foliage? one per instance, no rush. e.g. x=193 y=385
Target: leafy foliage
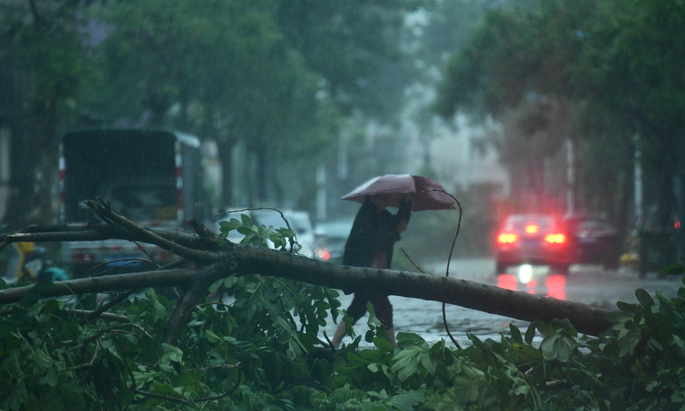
x=254 y=344
x=258 y=235
x=597 y=73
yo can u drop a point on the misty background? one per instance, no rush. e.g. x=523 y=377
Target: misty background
x=529 y=106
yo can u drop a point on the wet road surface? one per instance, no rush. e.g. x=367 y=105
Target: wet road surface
x=585 y=284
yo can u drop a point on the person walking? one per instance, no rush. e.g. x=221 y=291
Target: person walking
x=370 y=244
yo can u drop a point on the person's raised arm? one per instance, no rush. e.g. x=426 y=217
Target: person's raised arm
x=403 y=215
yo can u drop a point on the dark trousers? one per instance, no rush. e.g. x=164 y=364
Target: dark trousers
x=381 y=305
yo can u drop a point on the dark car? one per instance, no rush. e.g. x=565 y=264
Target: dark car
x=532 y=239
x=593 y=240
x=331 y=238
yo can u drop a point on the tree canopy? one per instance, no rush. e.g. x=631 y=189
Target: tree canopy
x=608 y=68
x=274 y=77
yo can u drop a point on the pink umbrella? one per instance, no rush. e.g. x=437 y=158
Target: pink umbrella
x=421 y=190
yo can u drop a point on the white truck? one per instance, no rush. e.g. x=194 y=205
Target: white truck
x=152 y=177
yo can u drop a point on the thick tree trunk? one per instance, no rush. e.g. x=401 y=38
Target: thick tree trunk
x=252 y=260
x=217 y=259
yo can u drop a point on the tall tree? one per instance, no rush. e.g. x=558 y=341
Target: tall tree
x=632 y=69
x=517 y=68
x=47 y=49
x=223 y=70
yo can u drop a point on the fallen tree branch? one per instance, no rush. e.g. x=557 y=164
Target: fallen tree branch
x=218 y=366
x=106 y=213
x=95 y=232
x=104 y=331
x=187 y=303
x=107 y=316
x=106 y=306
x=246 y=259
x=90 y=363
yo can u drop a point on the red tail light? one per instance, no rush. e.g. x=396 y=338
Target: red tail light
x=555 y=238
x=507 y=238
x=323 y=254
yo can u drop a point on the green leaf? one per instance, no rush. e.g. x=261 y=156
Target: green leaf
x=383 y=345
x=515 y=333
x=564 y=347
x=357 y=360
x=286 y=232
x=50 y=377
x=628 y=308
x=246 y=220
x=408 y=401
x=215 y=286
x=547 y=347
x=558 y=347
x=644 y=298
x=527 y=352
x=545 y=329
x=673 y=269
x=530 y=333
x=18 y=396
x=617 y=317
x=430 y=361
x=42 y=359
x=407 y=361
x=405 y=339
x=231 y=281
x=212 y=337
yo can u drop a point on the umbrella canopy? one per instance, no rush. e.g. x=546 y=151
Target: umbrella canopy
x=394 y=187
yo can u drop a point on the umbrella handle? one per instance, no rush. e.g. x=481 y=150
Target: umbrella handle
x=404 y=212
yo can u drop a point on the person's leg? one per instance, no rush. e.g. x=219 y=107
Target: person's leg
x=383 y=309
x=391 y=336
x=339 y=333
x=356 y=310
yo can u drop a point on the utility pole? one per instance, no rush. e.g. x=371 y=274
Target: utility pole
x=638 y=183
x=321 y=192
x=570 y=177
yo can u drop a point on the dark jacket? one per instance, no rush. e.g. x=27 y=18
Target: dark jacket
x=371 y=234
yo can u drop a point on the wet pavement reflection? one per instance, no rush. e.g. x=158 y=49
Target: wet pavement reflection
x=585 y=284
x=534 y=280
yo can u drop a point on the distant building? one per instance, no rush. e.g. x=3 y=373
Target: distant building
x=460 y=156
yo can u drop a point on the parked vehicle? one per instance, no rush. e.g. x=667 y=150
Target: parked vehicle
x=152 y=177
x=532 y=239
x=593 y=240
x=331 y=238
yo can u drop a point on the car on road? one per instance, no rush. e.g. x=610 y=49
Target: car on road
x=535 y=239
x=593 y=240
x=331 y=238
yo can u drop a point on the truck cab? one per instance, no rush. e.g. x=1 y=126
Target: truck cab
x=152 y=177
